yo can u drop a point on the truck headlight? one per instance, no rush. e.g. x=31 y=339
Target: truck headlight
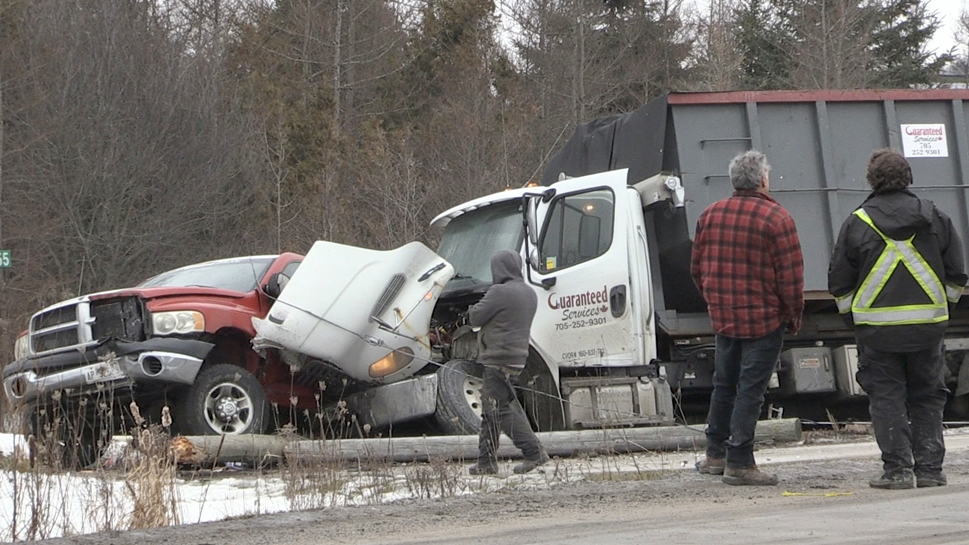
x=20 y=348
x=177 y=322
x=391 y=363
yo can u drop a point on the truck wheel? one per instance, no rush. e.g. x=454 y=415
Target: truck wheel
x=459 y=397
x=540 y=395
x=225 y=399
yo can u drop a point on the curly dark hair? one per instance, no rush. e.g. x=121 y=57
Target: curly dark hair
x=888 y=171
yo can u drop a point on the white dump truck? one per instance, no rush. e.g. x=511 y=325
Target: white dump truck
x=621 y=331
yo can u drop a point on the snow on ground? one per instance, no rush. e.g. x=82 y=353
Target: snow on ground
x=84 y=502
x=10 y=441
x=90 y=501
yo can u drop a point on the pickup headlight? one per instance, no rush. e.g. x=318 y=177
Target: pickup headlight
x=20 y=348
x=177 y=322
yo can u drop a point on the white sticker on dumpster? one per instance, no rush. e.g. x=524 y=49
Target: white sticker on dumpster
x=924 y=140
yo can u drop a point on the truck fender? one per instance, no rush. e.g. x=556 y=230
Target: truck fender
x=539 y=390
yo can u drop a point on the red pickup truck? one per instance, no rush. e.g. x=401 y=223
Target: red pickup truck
x=179 y=340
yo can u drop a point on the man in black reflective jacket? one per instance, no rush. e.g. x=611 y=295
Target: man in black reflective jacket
x=896 y=268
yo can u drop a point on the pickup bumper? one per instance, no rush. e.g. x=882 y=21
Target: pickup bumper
x=110 y=365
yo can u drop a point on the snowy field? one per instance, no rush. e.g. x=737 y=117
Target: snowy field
x=34 y=505
x=89 y=501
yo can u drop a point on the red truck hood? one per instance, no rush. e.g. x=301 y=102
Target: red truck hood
x=157 y=293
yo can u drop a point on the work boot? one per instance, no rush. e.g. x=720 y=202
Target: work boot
x=748 y=476
x=926 y=480
x=711 y=466
x=487 y=468
x=897 y=479
x=531 y=463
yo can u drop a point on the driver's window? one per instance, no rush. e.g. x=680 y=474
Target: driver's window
x=578 y=229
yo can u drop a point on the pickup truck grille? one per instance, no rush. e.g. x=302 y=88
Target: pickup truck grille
x=82 y=323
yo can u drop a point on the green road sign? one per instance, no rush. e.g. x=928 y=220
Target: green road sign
x=5 y=259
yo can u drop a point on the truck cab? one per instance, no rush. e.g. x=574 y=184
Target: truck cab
x=592 y=351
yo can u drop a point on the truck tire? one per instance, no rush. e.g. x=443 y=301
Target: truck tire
x=224 y=399
x=540 y=395
x=459 y=398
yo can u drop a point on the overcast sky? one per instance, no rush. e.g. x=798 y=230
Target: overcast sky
x=948 y=11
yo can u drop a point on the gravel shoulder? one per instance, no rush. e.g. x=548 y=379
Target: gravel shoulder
x=624 y=491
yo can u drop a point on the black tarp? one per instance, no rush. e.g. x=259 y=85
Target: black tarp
x=634 y=141
x=644 y=141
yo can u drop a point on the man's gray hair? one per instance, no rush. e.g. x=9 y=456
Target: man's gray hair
x=747 y=169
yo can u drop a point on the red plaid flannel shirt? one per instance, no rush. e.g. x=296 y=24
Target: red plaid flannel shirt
x=747 y=264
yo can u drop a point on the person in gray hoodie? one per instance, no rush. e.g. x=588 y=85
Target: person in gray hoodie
x=505 y=317
x=895 y=270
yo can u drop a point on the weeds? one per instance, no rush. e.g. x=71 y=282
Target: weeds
x=151 y=482
x=49 y=498
x=142 y=488
x=313 y=485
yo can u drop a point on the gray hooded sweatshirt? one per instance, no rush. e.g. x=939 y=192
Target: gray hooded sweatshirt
x=505 y=314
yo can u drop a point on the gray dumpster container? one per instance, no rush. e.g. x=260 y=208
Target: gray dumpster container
x=818 y=143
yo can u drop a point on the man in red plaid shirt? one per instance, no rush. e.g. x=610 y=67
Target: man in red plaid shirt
x=747 y=264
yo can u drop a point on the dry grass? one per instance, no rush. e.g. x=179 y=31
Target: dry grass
x=151 y=482
x=46 y=484
x=313 y=485
x=141 y=489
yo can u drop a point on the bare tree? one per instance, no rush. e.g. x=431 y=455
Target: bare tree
x=833 y=49
x=128 y=159
x=717 y=56
x=959 y=67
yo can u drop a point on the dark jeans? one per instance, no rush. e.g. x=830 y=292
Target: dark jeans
x=743 y=370
x=906 y=396
x=501 y=412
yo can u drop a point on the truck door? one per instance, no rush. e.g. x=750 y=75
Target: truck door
x=580 y=270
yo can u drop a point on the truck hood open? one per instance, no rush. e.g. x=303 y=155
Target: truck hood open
x=367 y=312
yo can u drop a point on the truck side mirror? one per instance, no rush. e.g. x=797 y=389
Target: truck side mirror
x=533 y=258
x=531 y=217
x=275 y=285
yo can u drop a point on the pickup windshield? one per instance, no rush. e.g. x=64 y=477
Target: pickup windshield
x=242 y=274
x=472 y=238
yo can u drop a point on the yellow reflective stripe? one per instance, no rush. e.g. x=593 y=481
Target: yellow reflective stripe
x=880 y=272
x=881 y=323
x=953 y=293
x=922 y=271
x=913 y=261
x=908 y=314
x=896 y=252
x=844 y=302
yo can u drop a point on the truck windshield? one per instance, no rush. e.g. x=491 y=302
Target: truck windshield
x=472 y=238
x=242 y=274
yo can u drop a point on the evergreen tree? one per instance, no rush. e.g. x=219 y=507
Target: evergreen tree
x=837 y=43
x=899 y=45
x=764 y=41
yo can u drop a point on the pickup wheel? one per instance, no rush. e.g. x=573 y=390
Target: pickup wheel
x=225 y=399
x=459 y=397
